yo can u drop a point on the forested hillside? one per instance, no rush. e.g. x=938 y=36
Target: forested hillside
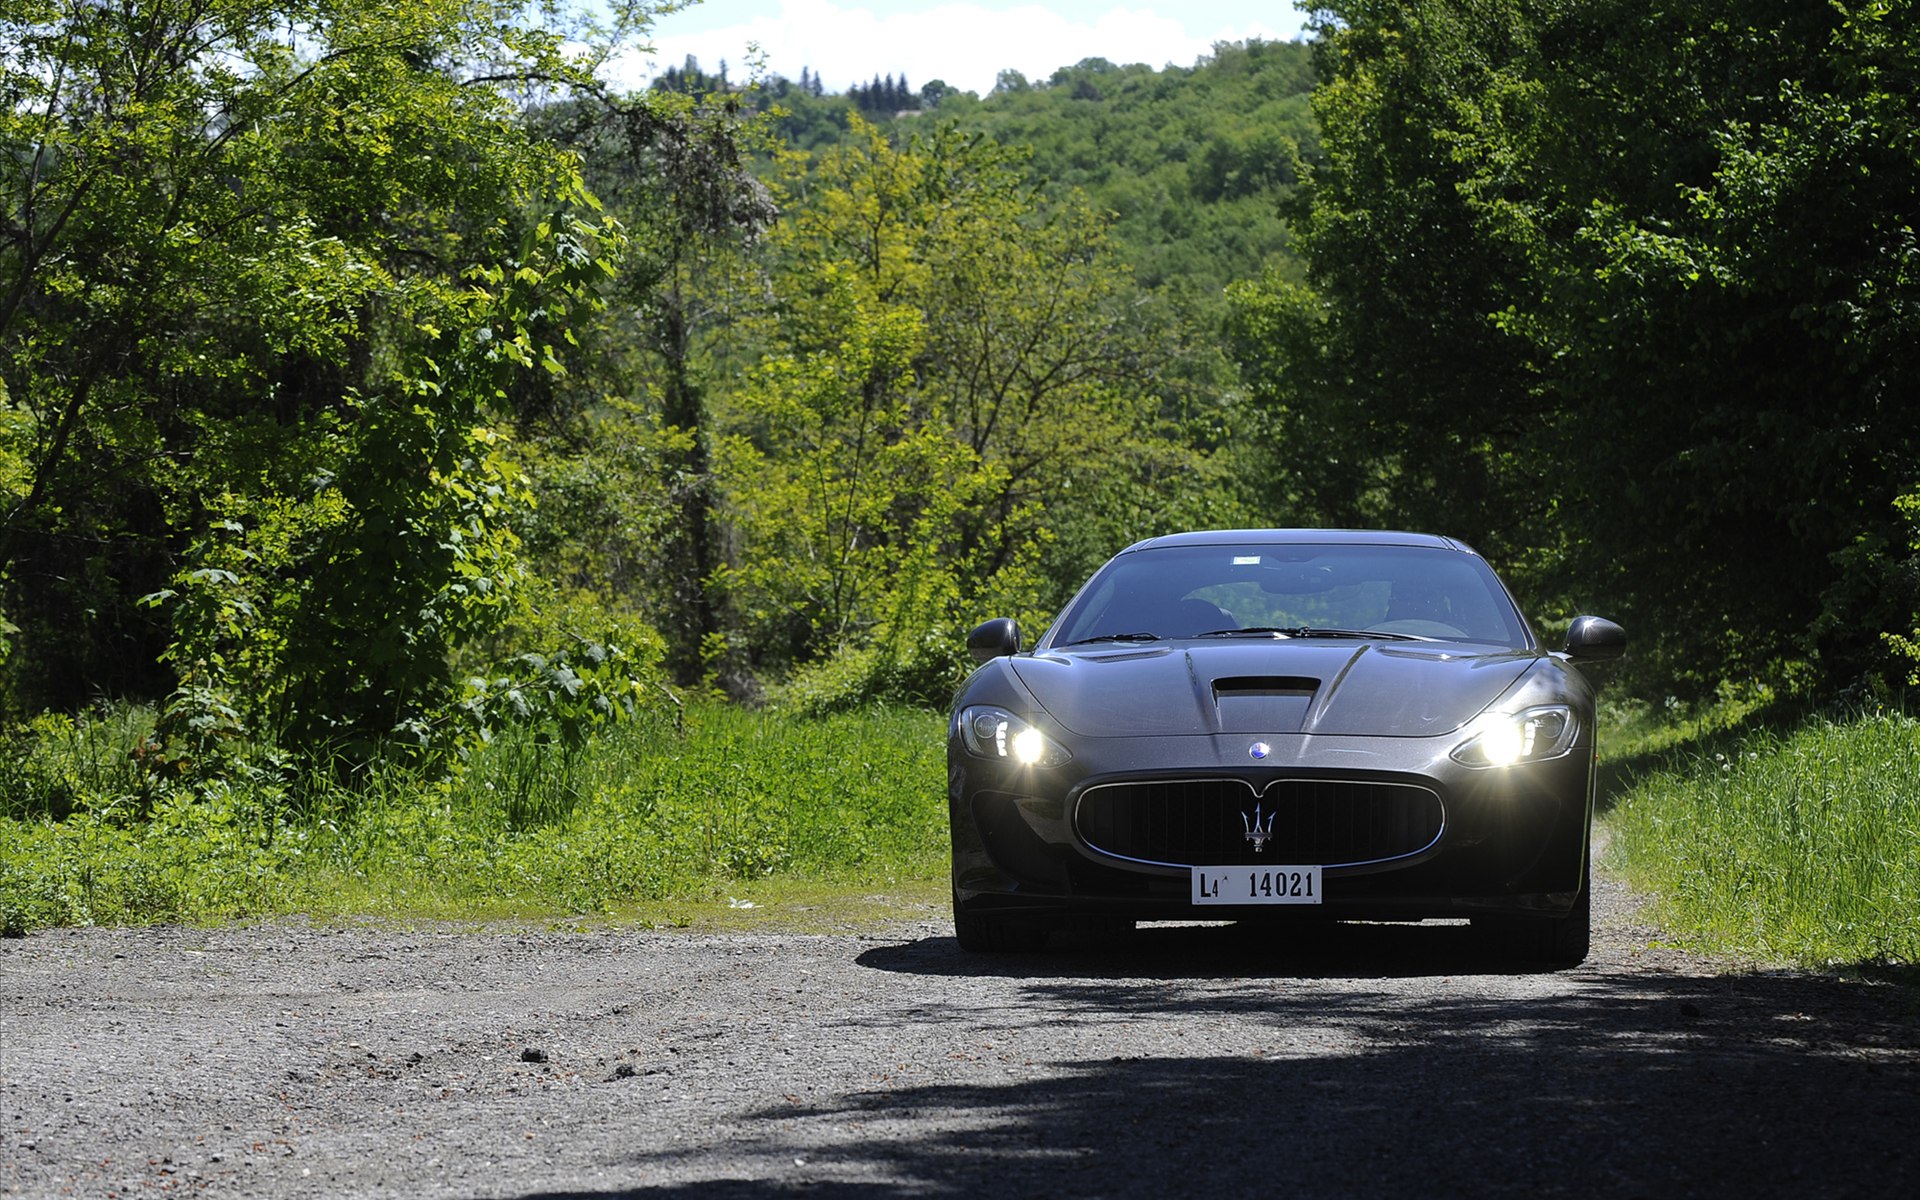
x=1192 y=163
x=379 y=381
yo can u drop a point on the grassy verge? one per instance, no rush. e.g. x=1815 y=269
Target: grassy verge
x=1800 y=846
x=739 y=813
x=1797 y=846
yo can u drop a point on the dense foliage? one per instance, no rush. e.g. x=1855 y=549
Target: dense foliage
x=949 y=368
x=376 y=381
x=1627 y=295
x=271 y=272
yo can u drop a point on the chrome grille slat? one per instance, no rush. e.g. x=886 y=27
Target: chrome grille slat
x=1180 y=823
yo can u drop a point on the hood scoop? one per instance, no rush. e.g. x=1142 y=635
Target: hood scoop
x=1263 y=703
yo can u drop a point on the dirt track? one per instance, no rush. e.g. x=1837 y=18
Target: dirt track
x=287 y=1060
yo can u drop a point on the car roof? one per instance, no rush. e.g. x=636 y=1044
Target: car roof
x=1300 y=537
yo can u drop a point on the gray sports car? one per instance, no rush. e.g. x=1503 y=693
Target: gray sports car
x=1273 y=725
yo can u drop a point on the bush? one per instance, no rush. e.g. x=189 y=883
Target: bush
x=923 y=674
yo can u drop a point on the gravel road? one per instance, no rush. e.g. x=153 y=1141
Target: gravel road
x=292 y=1060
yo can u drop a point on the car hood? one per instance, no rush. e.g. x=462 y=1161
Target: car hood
x=1278 y=686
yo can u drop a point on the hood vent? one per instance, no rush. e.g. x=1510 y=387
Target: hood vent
x=1262 y=703
x=1264 y=685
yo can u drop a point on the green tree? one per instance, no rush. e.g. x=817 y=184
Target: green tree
x=1753 y=387
x=949 y=372
x=269 y=272
x=1623 y=294
x=678 y=173
x=1394 y=394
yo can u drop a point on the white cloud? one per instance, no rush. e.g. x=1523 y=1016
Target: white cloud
x=965 y=44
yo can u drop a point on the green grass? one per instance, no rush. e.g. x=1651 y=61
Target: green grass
x=648 y=823
x=1797 y=846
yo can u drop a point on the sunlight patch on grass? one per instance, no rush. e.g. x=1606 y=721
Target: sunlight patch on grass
x=649 y=814
x=1800 y=848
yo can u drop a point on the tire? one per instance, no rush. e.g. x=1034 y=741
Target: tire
x=980 y=934
x=1553 y=942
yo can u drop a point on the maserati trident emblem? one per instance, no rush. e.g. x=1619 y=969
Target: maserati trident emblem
x=1258 y=831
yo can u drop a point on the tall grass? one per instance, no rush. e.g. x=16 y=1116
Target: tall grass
x=54 y=765
x=1798 y=847
x=648 y=811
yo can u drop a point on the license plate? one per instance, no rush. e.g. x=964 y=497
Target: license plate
x=1291 y=884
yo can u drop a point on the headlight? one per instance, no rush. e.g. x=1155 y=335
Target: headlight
x=996 y=733
x=1507 y=739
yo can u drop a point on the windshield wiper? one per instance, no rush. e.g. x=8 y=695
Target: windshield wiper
x=1310 y=631
x=1117 y=637
x=1257 y=630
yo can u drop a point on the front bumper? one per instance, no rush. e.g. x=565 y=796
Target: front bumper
x=1402 y=831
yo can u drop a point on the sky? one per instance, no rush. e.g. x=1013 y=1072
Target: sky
x=966 y=43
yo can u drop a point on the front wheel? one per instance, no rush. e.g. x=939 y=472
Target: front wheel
x=1554 y=942
x=982 y=934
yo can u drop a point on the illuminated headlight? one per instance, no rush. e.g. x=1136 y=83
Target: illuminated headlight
x=996 y=733
x=1507 y=739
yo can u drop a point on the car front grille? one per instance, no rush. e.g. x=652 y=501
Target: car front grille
x=1207 y=822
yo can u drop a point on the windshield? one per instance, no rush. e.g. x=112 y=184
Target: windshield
x=1192 y=591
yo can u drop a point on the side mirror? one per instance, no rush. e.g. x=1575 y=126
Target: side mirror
x=1592 y=639
x=994 y=639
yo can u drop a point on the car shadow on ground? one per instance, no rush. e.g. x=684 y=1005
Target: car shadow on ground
x=1610 y=1080
x=1221 y=950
